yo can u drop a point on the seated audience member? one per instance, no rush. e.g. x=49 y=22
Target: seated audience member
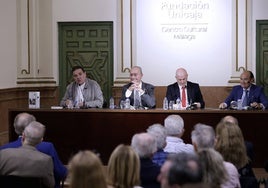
x=160 y=134
x=230 y=143
x=144 y=145
x=180 y=169
x=82 y=92
x=214 y=171
x=174 y=125
x=251 y=95
x=21 y=121
x=203 y=137
x=86 y=170
x=249 y=145
x=123 y=169
x=27 y=161
x=145 y=91
x=184 y=89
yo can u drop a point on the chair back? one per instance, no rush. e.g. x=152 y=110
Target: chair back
x=249 y=182
x=21 y=182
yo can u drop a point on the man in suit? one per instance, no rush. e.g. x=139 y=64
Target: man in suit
x=145 y=91
x=247 y=91
x=21 y=121
x=27 y=161
x=185 y=90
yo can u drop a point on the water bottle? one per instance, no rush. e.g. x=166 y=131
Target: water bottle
x=127 y=104
x=178 y=102
x=171 y=105
x=165 y=103
x=111 y=102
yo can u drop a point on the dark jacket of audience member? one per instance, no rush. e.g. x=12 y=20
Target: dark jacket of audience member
x=21 y=121
x=144 y=145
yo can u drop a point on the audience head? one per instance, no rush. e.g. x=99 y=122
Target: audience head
x=181 y=76
x=144 y=145
x=230 y=142
x=212 y=164
x=203 y=136
x=123 y=167
x=174 y=125
x=136 y=74
x=79 y=74
x=21 y=121
x=246 y=79
x=180 y=169
x=85 y=170
x=33 y=134
x=230 y=119
x=160 y=134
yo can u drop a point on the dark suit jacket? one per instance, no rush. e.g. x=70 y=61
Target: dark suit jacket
x=60 y=171
x=27 y=161
x=193 y=93
x=148 y=173
x=147 y=99
x=256 y=94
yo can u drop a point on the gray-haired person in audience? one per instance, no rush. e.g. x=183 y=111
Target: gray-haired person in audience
x=174 y=125
x=160 y=134
x=21 y=121
x=203 y=137
x=144 y=144
x=180 y=169
x=27 y=161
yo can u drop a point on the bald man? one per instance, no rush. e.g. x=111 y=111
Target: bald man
x=192 y=90
x=145 y=90
x=246 y=89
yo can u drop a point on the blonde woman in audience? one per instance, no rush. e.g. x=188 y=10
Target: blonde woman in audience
x=214 y=171
x=203 y=137
x=123 y=169
x=85 y=170
x=231 y=144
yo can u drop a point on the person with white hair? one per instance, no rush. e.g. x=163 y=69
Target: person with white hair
x=27 y=161
x=204 y=138
x=144 y=144
x=160 y=134
x=21 y=121
x=174 y=125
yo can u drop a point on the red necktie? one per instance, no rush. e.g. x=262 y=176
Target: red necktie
x=183 y=97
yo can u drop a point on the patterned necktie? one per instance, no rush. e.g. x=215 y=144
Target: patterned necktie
x=136 y=99
x=183 y=97
x=245 y=100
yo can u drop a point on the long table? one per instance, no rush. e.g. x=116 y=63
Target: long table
x=102 y=130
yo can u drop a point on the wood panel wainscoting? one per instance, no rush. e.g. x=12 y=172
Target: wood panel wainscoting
x=102 y=130
x=18 y=98
x=213 y=95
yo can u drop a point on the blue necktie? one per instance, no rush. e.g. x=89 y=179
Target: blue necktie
x=245 y=100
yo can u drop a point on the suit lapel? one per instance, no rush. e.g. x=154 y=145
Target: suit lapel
x=177 y=91
x=189 y=92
